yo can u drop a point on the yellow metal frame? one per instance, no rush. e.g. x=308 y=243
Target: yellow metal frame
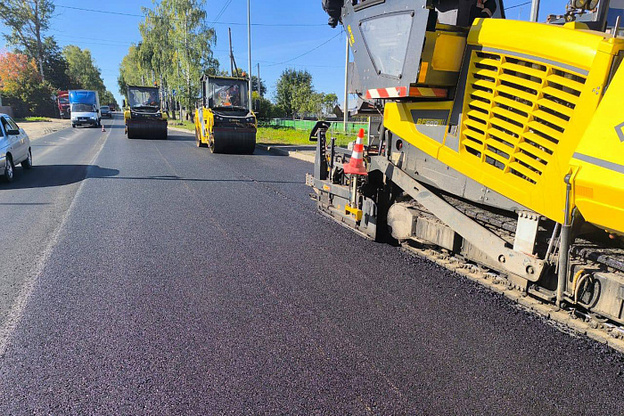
x=531 y=95
x=208 y=119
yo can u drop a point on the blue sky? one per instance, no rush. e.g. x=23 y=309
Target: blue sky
x=285 y=34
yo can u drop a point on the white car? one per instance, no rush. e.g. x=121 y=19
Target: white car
x=14 y=147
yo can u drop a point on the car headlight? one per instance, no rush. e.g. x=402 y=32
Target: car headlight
x=250 y=119
x=219 y=118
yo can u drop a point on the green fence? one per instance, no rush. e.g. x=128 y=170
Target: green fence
x=307 y=125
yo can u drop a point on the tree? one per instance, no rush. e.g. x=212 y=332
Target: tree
x=28 y=19
x=85 y=74
x=293 y=88
x=330 y=101
x=55 y=66
x=264 y=109
x=254 y=85
x=82 y=69
x=254 y=81
x=107 y=98
x=304 y=99
x=22 y=85
x=133 y=70
x=192 y=41
x=175 y=50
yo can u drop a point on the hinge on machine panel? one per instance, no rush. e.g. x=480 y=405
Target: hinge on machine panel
x=309 y=180
x=355 y=212
x=526 y=232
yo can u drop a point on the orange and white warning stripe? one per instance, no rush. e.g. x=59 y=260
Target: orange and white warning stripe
x=404 y=92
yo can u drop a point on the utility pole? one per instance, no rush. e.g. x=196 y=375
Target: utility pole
x=534 y=10
x=259 y=94
x=232 y=60
x=346 y=88
x=249 y=46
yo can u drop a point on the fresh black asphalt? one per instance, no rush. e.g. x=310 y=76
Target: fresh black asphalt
x=178 y=282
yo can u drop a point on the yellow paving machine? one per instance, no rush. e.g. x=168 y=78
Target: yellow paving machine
x=501 y=147
x=143 y=115
x=223 y=120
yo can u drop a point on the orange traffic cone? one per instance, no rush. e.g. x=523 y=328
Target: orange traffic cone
x=356 y=163
x=103 y=129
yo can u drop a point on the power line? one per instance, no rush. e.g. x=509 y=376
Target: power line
x=99 y=11
x=108 y=41
x=310 y=51
x=517 y=5
x=223 y=9
x=82 y=9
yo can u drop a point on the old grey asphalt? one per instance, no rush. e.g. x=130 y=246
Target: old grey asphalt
x=174 y=281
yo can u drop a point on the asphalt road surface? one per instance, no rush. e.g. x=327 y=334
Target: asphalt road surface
x=152 y=277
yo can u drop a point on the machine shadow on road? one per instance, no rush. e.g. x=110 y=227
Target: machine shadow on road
x=170 y=138
x=44 y=176
x=178 y=178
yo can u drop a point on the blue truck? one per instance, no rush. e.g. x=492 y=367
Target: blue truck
x=84 y=108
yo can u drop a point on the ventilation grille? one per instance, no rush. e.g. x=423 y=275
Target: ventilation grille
x=516 y=112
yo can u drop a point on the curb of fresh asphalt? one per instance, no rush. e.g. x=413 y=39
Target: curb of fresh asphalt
x=280 y=150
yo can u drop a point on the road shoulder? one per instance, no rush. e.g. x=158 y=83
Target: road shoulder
x=38 y=129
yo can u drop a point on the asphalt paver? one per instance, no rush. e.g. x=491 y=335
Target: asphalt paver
x=182 y=282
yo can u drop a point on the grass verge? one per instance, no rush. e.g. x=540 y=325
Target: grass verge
x=290 y=136
x=26 y=119
x=182 y=124
x=277 y=135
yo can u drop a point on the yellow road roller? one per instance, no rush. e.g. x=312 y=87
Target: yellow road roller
x=223 y=120
x=143 y=115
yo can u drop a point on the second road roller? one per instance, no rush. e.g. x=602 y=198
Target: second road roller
x=143 y=114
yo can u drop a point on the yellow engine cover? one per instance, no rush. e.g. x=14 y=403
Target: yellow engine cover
x=599 y=183
x=531 y=91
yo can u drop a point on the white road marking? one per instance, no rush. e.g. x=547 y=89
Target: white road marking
x=16 y=312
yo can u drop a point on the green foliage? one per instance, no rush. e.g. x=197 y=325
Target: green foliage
x=293 y=89
x=254 y=85
x=107 y=98
x=290 y=136
x=329 y=101
x=254 y=80
x=132 y=70
x=56 y=67
x=82 y=69
x=84 y=74
x=279 y=135
x=264 y=109
x=175 y=50
x=33 y=119
x=303 y=98
x=27 y=19
x=72 y=68
x=21 y=85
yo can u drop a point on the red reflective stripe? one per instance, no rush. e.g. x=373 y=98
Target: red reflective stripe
x=406 y=92
x=440 y=92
